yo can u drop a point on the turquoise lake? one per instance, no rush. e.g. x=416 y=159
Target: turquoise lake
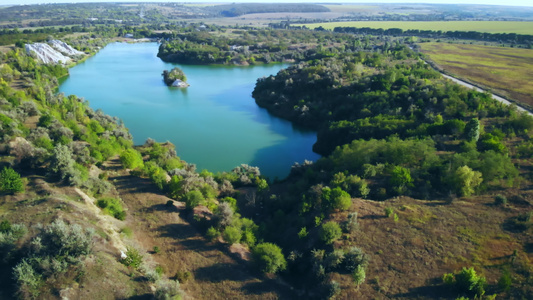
x=214 y=123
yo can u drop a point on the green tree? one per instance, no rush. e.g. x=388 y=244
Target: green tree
x=10 y=181
x=330 y=232
x=269 y=258
x=359 y=275
x=340 y=199
x=466 y=180
x=472 y=130
x=401 y=179
x=467 y=281
x=131 y=159
x=193 y=199
x=232 y=235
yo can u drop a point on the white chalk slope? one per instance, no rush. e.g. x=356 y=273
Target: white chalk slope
x=48 y=55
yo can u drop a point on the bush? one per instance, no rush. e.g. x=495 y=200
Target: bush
x=113 y=207
x=183 y=276
x=232 y=235
x=133 y=258
x=330 y=232
x=467 y=281
x=193 y=199
x=389 y=211
x=212 y=233
x=167 y=290
x=353 y=258
x=131 y=159
x=10 y=181
x=500 y=200
x=351 y=223
x=27 y=279
x=269 y=258
x=62 y=239
x=359 y=275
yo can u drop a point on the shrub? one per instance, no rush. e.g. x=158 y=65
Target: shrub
x=62 y=239
x=212 y=233
x=351 y=223
x=232 y=235
x=269 y=258
x=27 y=279
x=359 y=275
x=193 y=199
x=224 y=214
x=330 y=232
x=467 y=180
x=389 y=211
x=183 y=276
x=500 y=200
x=10 y=181
x=353 y=258
x=113 y=207
x=133 y=258
x=131 y=159
x=467 y=281
x=167 y=290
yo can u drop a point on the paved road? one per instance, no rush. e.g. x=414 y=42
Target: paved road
x=480 y=90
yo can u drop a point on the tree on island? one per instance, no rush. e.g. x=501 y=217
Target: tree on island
x=173 y=75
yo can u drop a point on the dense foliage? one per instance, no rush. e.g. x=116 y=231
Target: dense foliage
x=174 y=74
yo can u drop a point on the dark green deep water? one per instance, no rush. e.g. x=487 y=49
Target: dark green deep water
x=214 y=123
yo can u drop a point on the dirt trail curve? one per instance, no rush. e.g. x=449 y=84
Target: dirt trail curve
x=106 y=222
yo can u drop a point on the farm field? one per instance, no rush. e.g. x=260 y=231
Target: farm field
x=481 y=26
x=507 y=71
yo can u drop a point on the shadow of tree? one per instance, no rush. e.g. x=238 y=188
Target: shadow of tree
x=267 y=286
x=162 y=207
x=219 y=272
x=142 y=297
x=177 y=231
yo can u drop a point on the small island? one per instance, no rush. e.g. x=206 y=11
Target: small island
x=175 y=78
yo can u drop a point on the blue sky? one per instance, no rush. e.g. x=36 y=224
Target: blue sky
x=489 y=2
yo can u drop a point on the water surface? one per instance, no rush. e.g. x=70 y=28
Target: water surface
x=214 y=123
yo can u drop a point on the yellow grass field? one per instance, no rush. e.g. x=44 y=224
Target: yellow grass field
x=508 y=71
x=481 y=26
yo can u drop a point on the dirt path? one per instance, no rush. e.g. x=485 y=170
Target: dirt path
x=108 y=223
x=214 y=272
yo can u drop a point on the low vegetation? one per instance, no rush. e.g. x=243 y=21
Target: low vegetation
x=419 y=178
x=501 y=69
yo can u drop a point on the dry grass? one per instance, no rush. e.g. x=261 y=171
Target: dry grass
x=216 y=273
x=430 y=238
x=508 y=71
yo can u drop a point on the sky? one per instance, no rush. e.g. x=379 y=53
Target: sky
x=489 y=2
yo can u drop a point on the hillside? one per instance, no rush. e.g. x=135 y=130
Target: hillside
x=424 y=190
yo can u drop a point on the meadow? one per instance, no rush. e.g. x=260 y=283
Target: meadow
x=504 y=70
x=480 y=26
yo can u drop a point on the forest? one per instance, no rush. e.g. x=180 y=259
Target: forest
x=403 y=149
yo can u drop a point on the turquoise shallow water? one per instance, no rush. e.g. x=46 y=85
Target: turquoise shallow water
x=214 y=123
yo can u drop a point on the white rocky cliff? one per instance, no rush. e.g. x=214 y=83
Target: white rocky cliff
x=64 y=48
x=60 y=53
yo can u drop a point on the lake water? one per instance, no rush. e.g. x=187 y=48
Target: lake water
x=214 y=123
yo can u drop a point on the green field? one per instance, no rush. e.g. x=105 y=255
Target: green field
x=508 y=71
x=481 y=26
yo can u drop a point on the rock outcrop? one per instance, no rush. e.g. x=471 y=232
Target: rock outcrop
x=65 y=48
x=60 y=53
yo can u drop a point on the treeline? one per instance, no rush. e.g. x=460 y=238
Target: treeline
x=254 y=46
x=465 y=35
x=392 y=98
x=238 y=9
